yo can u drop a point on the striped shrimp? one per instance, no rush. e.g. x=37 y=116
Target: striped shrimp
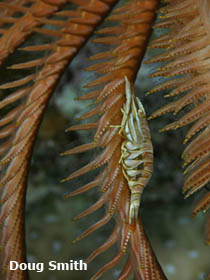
x=136 y=149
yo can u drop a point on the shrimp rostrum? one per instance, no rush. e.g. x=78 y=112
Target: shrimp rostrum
x=136 y=149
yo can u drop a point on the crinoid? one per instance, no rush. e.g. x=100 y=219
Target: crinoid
x=42 y=37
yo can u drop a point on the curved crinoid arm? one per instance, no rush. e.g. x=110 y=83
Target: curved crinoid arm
x=187 y=63
x=22 y=27
x=142 y=257
x=23 y=107
x=129 y=37
x=147 y=266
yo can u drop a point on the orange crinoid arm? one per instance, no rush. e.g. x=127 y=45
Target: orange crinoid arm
x=23 y=26
x=26 y=99
x=187 y=65
x=129 y=37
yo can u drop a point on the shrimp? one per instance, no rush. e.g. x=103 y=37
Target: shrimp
x=136 y=150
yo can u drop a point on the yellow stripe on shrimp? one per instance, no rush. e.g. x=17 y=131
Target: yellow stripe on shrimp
x=136 y=149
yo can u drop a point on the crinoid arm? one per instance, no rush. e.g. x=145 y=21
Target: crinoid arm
x=186 y=59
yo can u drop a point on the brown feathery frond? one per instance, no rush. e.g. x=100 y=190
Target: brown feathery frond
x=23 y=26
x=129 y=37
x=10 y=12
x=147 y=266
x=30 y=98
x=187 y=62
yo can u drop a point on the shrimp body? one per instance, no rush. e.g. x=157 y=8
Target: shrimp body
x=136 y=149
